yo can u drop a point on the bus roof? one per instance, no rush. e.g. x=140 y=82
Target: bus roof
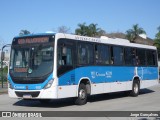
x=112 y=41
x=104 y=40
x=34 y=35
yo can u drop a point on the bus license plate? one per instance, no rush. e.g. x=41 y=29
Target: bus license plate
x=27 y=96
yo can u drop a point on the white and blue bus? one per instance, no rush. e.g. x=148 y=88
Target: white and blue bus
x=56 y=65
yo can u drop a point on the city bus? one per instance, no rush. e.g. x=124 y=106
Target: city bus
x=57 y=65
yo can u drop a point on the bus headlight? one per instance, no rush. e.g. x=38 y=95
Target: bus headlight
x=48 y=85
x=10 y=85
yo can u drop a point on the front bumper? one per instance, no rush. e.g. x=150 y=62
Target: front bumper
x=50 y=93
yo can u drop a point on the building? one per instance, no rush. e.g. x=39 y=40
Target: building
x=142 y=39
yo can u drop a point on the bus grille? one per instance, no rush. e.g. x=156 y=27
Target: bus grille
x=32 y=81
x=28 y=80
x=33 y=94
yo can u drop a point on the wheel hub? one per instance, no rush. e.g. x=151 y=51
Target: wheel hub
x=82 y=94
x=136 y=88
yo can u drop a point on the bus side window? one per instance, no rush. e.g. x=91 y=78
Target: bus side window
x=65 y=55
x=151 y=57
x=128 y=56
x=85 y=54
x=61 y=58
x=102 y=54
x=134 y=61
x=117 y=55
x=112 y=58
x=141 y=57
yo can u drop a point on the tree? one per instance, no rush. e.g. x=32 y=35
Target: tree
x=63 y=29
x=158 y=29
x=82 y=30
x=129 y=35
x=24 y=32
x=157 y=40
x=133 y=33
x=91 y=30
x=158 y=34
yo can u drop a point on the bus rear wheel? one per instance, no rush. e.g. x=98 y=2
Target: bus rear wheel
x=135 y=89
x=82 y=95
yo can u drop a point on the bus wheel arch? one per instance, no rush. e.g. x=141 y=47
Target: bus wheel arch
x=87 y=83
x=84 y=89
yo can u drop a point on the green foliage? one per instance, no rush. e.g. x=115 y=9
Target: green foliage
x=158 y=34
x=158 y=29
x=5 y=71
x=133 y=33
x=24 y=32
x=157 y=40
x=89 y=30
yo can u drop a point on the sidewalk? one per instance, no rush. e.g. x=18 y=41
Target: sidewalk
x=3 y=90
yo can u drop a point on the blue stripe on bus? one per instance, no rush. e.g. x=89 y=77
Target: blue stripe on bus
x=99 y=74
x=30 y=86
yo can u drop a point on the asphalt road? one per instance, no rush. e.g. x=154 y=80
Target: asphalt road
x=148 y=100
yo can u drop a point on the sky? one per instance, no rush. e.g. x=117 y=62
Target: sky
x=39 y=16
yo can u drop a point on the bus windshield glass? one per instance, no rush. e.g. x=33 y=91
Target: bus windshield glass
x=33 y=61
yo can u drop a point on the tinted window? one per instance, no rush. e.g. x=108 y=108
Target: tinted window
x=151 y=57
x=65 y=56
x=85 y=53
x=128 y=56
x=101 y=54
x=135 y=59
x=141 y=57
x=116 y=55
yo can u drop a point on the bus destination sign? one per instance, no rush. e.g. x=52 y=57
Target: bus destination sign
x=33 y=40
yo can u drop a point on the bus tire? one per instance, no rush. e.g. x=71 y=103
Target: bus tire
x=135 y=89
x=82 y=95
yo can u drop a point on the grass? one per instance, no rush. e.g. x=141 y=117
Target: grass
x=4 y=90
x=5 y=71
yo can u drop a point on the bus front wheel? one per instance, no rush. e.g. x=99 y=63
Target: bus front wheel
x=135 y=89
x=82 y=95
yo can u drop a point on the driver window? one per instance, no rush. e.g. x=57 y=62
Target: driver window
x=65 y=56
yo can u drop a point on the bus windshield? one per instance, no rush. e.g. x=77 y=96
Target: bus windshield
x=33 y=61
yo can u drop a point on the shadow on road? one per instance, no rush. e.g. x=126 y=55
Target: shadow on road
x=70 y=101
x=116 y=95
x=52 y=104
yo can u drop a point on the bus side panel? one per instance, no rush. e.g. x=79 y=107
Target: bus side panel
x=106 y=79
x=121 y=78
x=66 y=85
x=148 y=76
